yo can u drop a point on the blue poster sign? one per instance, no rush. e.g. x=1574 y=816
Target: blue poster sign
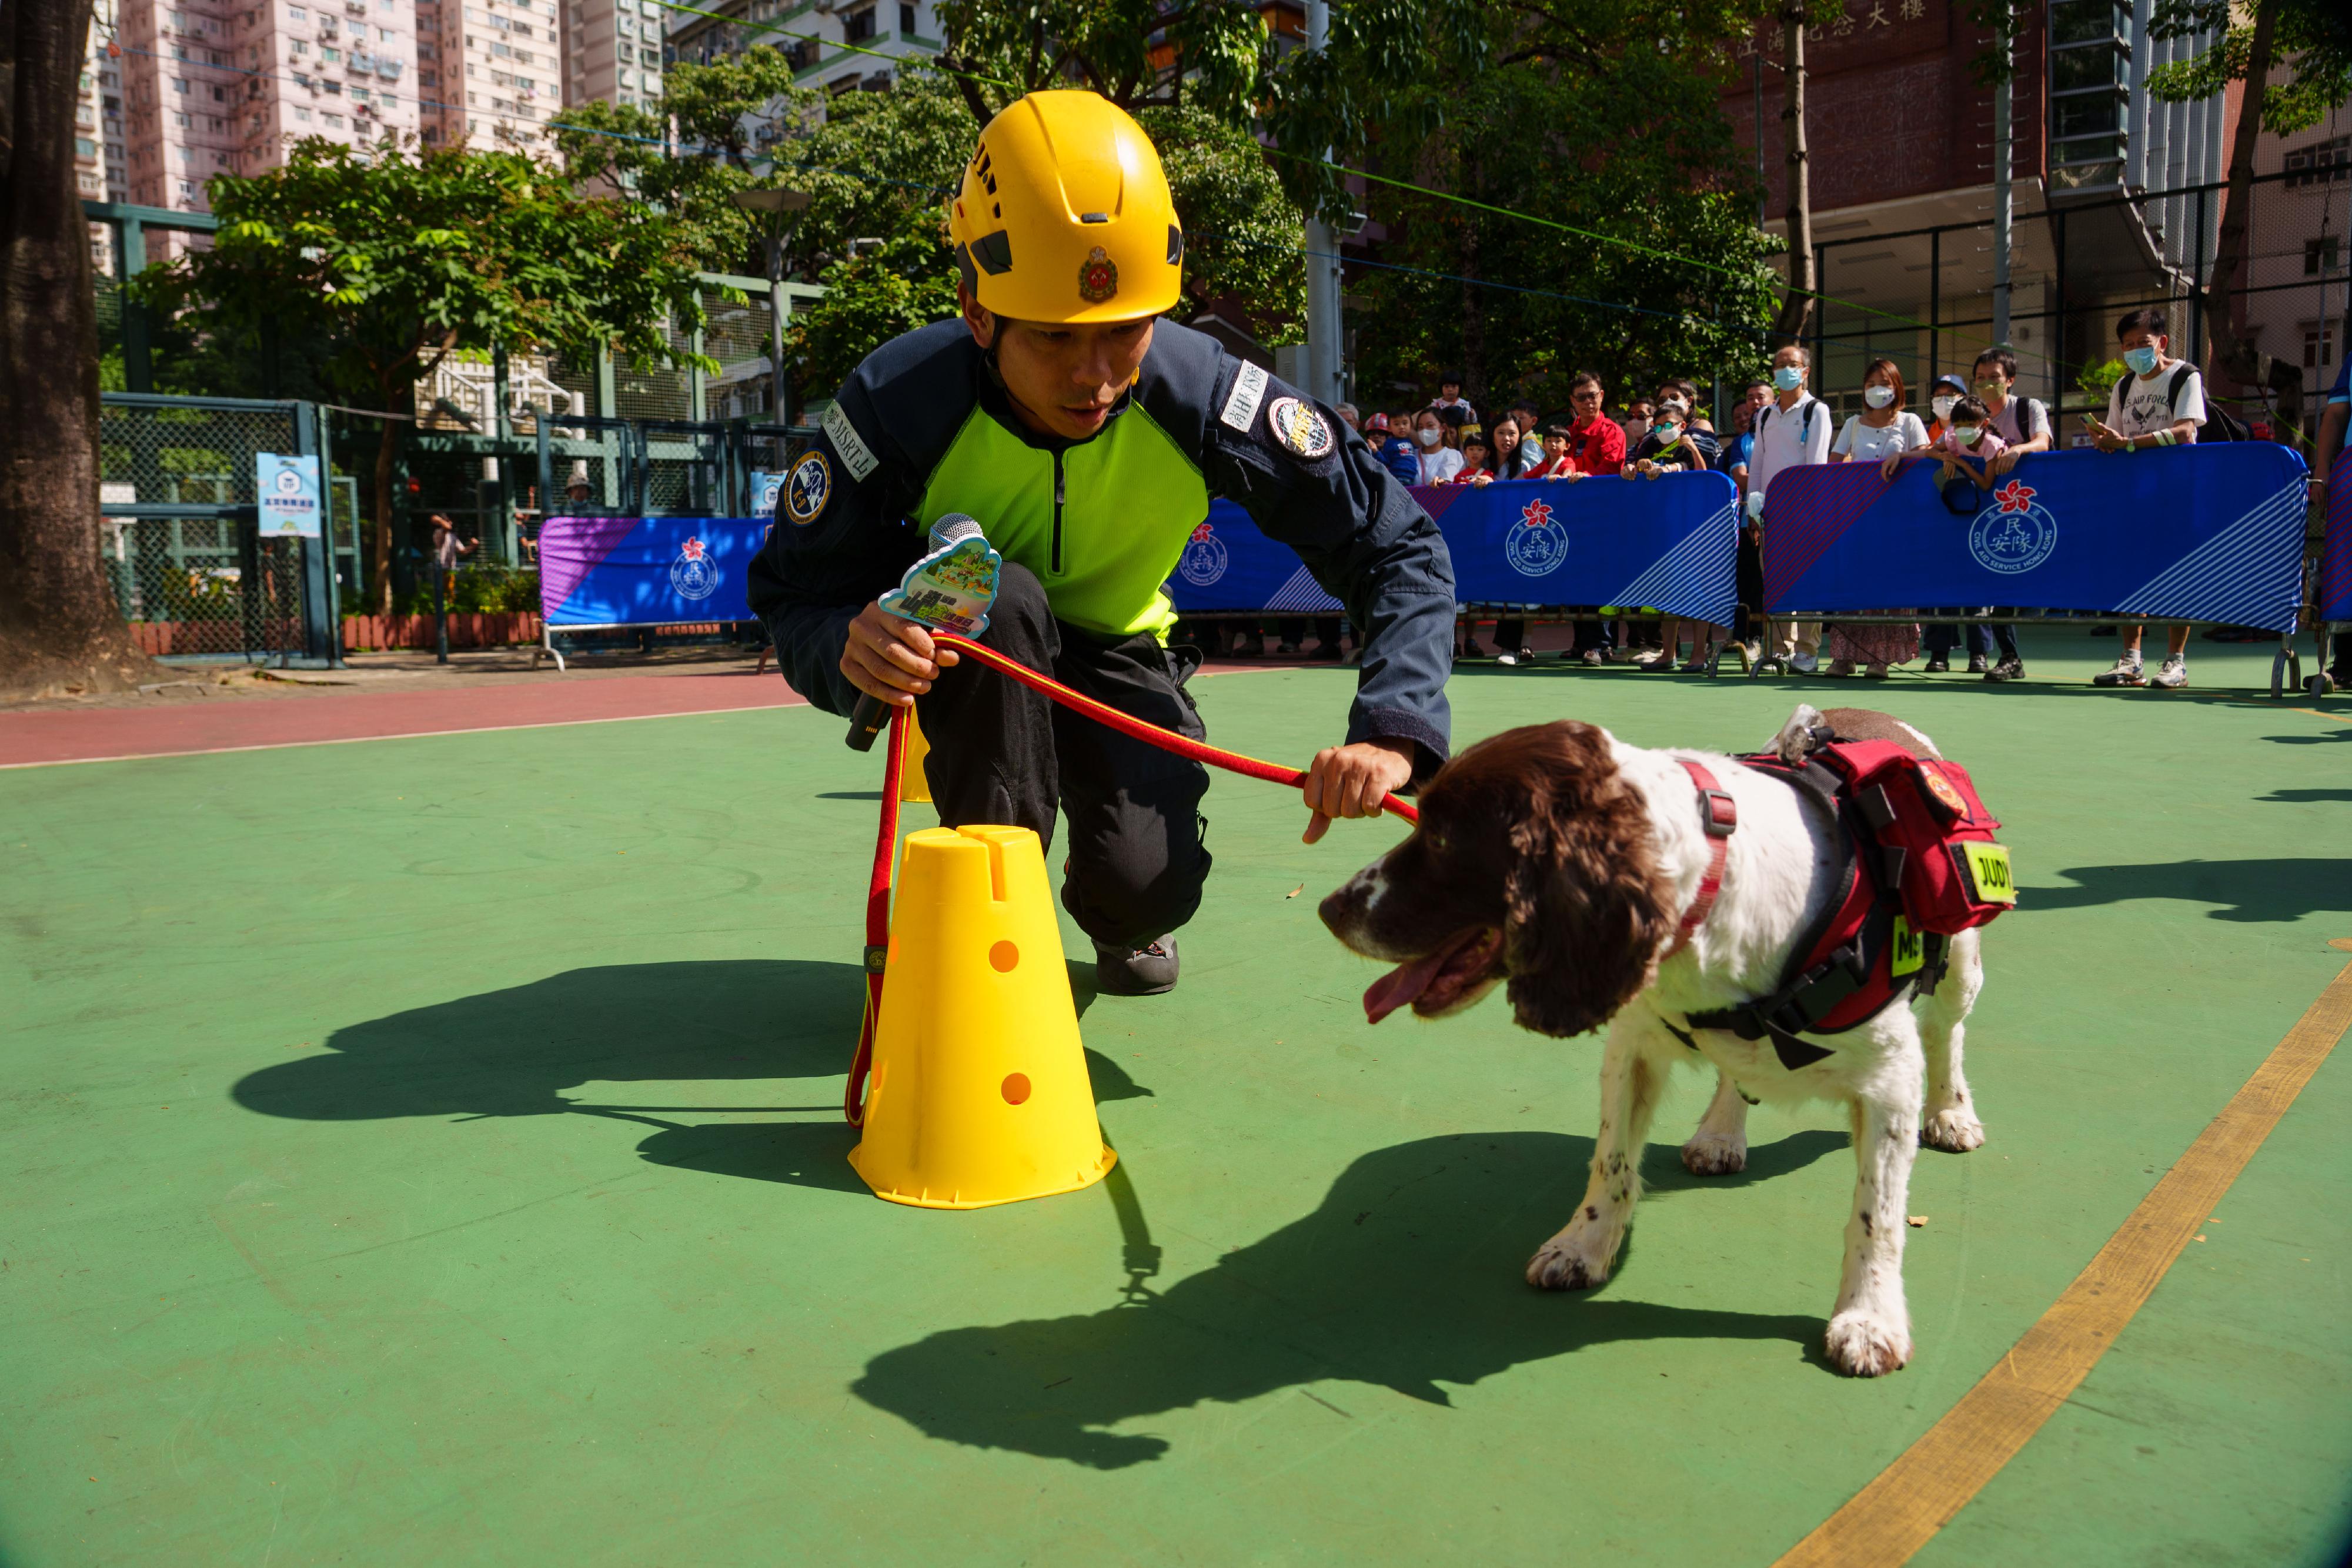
x=286 y=491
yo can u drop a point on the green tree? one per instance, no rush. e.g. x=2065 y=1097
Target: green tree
x=2314 y=38
x=402 y=257
x=1657 y=266
x=60 y=629
x=879 y=168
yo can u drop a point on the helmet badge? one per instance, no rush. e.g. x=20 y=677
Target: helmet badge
x=1098 y=276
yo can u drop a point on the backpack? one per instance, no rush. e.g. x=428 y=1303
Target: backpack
x=2220 y=424
x=1934 y=838
x=1804 y=426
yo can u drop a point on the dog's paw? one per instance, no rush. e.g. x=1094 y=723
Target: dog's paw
x=1861 y=1345
x=1954 y=1131
x=1571 y=1260
x=1715 y=1154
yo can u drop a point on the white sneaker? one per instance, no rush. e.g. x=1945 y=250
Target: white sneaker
x=1803 y=662
x=2126 y=672
x=2174 y=672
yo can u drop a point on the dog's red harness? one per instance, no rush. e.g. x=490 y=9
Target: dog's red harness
x=1721 y=814
x=1919 y=865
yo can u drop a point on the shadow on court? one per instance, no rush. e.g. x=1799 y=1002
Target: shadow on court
x=2250 y=891
x=1406 y=1276
x=513 y=1052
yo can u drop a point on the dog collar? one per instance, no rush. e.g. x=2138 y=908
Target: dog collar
x=1721 y=814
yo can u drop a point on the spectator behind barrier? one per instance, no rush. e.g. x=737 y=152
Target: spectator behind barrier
x=1458 y=415
x=1596 y=442
x=1636 y=422
x=1474 y=470
x=1748 y=572
x=1349 y=417
x=1883 y=432
x=1673 y=444
x=2161 y=402
x=1438 y=459
x=2327 y=462
x=1792 y=430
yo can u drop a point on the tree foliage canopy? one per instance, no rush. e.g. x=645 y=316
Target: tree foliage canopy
x=1602 y=118
x=2314 y=35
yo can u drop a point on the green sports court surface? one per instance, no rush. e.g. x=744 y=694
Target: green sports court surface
x=427 y=1151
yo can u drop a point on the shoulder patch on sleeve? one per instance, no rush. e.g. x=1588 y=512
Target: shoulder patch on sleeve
x=1299 y=427
x=1241 y=404
x=807 y=488
x=858 y=459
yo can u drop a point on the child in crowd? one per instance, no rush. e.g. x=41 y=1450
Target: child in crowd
x=1474 y=470
x=1968 y=444
x=1557 y=464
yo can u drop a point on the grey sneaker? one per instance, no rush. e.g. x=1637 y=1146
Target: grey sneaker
x=1593 y=659
x=1803 y=662
x=2126 y=672
x=1146 y=972
x=2173 y=674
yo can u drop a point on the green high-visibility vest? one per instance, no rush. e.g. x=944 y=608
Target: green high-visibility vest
x=1101 y=524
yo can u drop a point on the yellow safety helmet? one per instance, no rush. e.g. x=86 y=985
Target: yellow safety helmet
x=1065 y=215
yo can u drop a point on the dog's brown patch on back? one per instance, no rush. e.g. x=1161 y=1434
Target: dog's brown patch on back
x=1869 y=724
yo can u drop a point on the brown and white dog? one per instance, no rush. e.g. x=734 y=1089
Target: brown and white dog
x=1559 y=861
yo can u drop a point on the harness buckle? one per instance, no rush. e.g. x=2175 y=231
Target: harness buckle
x=1720 y=812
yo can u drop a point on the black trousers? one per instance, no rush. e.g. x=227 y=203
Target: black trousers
x=1944 y=636
x=1002 y=753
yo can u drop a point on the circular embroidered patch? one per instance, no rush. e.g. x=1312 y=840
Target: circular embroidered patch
x=808 y=488
x=1941 y=788
x=1098 y=276
x=1300 y=428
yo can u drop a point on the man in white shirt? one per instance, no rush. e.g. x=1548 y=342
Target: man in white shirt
x=1793 y=428
x=2160 y=402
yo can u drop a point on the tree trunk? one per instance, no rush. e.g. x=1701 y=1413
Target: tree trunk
x=2231 y=352
x=387 y=453
x=1797 y=304
x=61 y=631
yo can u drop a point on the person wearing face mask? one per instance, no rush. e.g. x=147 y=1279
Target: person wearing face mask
x=1792 y=430
x=1636 y=422
x=1672 y=446
x=2161 y=404
x=1881 y=433
x=1438 y=460
x=1947 y=390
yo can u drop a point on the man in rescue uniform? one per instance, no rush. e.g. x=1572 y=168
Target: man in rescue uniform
x=1086 y=438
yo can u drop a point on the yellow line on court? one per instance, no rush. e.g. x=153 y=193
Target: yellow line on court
x=1918 y=1494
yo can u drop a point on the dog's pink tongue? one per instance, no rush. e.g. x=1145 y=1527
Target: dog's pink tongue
x=1399 y=986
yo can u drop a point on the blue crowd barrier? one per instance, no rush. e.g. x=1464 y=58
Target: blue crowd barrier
x=646 y=571
x=2336 y=553
x=2186 y=533
x=1667 y=544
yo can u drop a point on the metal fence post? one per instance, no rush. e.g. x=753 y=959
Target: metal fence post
x=317 y=554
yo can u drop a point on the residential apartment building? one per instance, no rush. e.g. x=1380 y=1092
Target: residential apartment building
x=834 y=44
x=496 y=70
x=612 y=51
x=99 y=147
x=202 y=87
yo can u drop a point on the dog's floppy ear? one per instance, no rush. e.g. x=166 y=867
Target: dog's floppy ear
x=1585 y=911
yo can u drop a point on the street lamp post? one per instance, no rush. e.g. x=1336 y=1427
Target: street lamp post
x=774 y=201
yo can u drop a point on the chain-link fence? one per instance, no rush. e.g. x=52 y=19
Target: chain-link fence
x=180 y=540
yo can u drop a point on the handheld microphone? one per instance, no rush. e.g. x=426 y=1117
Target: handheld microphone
x=952 y=589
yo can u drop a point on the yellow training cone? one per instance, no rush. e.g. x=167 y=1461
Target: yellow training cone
x=979 y=1092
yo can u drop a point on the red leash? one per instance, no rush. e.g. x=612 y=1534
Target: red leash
x=878 y=889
